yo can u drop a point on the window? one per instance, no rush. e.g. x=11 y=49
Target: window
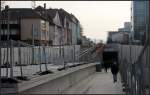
x=5 y=32
x=13 y=22
x=4 y=21
x=13 y=32
x=36 y=34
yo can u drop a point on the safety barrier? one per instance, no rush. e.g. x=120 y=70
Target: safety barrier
x=134 y=68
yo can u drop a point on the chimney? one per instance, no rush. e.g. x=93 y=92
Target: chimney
x=6 y=7
x=44 y=5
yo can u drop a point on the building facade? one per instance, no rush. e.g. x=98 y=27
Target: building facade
x=139 y=16
x=118 y=37
x=25 y=25
x=126 y=28
x=34 y=29
x=44 y=26
x=65 y=29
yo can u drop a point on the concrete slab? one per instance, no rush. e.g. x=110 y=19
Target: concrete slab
x=98 y=83
x=63 y=80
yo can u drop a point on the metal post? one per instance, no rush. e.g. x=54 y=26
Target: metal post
x=40 y=65
x=0 y=58
x=130 y=70
x=0 y=46
x=148 y=38
x=30 y=55
x=44 y=48
x=26 y=52
x=63 y=57
x=19 y=59
x=32 y=44
x=74 y=54
x=149 y=43
x=27 y=55
x=11 y=59
x=60 y=49
x=40 y=53
x=8 y=35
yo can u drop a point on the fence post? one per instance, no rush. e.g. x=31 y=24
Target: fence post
x=0 y=56
x=19 y=59
x=11 y=59
x=44 y=50
x=40 y=59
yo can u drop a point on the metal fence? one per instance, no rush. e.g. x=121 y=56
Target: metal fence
x=19 y=58
x=22 y=59
x=88 y=56
x=134 y=66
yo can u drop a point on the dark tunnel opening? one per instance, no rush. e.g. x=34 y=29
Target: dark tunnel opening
x=109 y=57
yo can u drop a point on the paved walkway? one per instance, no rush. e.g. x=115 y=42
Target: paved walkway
x=98 y=83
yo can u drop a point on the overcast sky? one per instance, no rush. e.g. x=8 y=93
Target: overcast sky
x=96 y=17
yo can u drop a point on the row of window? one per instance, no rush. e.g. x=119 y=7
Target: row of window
x=12 y=31
x=10 y=22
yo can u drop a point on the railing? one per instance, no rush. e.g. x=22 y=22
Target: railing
x=135 y=73
x=22 y=56
x=142 y=66
x=93 y=54
x=22 y=59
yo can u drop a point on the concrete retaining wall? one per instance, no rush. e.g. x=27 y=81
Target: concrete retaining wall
x=58 y=82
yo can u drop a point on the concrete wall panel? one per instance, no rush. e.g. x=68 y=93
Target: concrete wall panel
x=56 y=84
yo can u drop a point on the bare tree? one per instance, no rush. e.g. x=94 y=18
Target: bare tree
x=81 y=30
x=33 y=4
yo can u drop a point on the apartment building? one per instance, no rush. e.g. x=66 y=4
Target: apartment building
x=41 y=26
x=25 y=25
x=139 y=20
x=118 y=37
